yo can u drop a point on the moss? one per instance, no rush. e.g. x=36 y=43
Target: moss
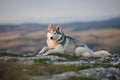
x=10 y=70
x=73 y=58
x=105 y=63
x=68 y=57
x=58 y=54
x=50 y=69
x=10 y=54
x=41 y=61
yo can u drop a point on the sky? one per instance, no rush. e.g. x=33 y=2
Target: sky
x=57 y=11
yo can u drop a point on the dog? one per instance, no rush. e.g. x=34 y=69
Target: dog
x=58 y=42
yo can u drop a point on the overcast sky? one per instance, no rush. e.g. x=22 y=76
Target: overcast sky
x=57 y=11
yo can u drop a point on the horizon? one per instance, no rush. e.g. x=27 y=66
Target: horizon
x=62 y=23
x=55 y=11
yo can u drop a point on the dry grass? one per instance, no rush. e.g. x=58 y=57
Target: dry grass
x=35 y=34
x=100 y=36
x=11 y=71
x=51 y=69
x=10 y=35
x=100 y=39
x=22 y=41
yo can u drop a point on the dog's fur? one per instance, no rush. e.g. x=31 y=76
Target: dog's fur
x=57 y=42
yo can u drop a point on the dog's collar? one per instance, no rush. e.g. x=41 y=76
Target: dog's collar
x=64 y=41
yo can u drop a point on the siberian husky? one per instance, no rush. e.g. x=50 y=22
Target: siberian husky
x=57 y=42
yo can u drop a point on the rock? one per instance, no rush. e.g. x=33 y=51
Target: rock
x=97 y=73
x=52 y=58
x=102 y=73
x=40 y=78
x=8 y=58
x=64 y=76
x=115 y=63
x=55 y=58
x=111 y=73
x=74 y=62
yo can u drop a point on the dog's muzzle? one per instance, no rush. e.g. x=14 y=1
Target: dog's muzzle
x=51 y=38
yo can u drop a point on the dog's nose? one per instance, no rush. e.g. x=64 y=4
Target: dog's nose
x=51 y=37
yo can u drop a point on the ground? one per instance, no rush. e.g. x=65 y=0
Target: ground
x=18 y=60
x=59 y=67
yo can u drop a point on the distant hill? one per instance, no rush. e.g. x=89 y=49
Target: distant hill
x=95 y=25
x=74 y=26
x=26 y=27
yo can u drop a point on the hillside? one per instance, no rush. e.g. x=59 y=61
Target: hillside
x=27 y=42
x=113 y=23
x=94 y=25
x=31 y=37
x=19 y=43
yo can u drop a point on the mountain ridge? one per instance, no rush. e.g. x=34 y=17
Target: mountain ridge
x=113 y=23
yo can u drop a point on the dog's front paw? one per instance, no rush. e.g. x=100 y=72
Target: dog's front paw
x=38 y=55
x=45 y=54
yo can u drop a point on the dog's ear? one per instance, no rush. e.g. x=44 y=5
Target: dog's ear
x=50 y=27
x=58 y=28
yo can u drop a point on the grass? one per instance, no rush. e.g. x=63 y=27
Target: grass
x=68 y=57
x=41 y=61
x=50 y=69
x=31 y=41
x=10 y=70
x=40 y=67
x=46 y=68
x=10 y=54
x=15 y=71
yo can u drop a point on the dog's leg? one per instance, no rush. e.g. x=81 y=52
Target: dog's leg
x=43 y=51
x=82 y=51
x=85 y=52
x=59 y=49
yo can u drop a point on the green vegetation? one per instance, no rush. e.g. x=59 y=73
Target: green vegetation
x=17 y=71
x=10 y=70
x=30 y=41
x=42 y=67
x=68 y=57
x=10 y=54
x=50 y=69
x=21 y=71
x=41 y=61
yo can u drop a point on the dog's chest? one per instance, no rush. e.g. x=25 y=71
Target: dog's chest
x=51 y=44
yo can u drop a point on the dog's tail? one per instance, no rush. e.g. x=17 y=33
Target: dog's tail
x=101 y=53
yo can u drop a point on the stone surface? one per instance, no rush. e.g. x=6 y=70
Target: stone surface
x=102 y=73
x=110 y=73
x=97 y=73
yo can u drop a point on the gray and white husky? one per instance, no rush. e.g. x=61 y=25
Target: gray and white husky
x=57 y=42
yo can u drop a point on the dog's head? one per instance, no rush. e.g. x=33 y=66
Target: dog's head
x=54 y=33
